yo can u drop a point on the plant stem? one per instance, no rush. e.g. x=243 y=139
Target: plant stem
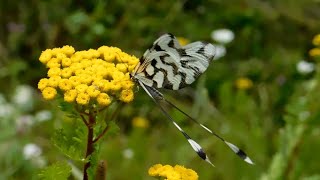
x=90 y=147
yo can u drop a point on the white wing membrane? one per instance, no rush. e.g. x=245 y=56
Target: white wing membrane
x=181 y=66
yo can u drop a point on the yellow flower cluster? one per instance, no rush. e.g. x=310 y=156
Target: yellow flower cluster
x=315 y=52
x=244 y=83
x=92 y=76
x=173 y=173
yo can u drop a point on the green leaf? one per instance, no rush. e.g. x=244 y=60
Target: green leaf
x=113 y=129
x=70 y=144
x=59 y=170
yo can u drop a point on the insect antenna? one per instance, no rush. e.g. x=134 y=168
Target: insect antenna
x=156 y=96
x=233 y=147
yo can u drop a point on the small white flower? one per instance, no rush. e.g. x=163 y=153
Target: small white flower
x=23 y=97
x=31 y=151
x=223 y=36
x=24 y=122
x=128 y=153
x=304 y=67
x=43 y=115
x=220 y=51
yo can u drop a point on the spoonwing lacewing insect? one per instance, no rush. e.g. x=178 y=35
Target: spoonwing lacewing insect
x=167 y=64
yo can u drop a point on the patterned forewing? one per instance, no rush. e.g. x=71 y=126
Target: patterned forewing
x=168 y=65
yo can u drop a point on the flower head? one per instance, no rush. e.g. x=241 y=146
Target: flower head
x=244 y=83
x=315 y=52
x=172 y=173
x=223 y=36
x=305 y=67
x=92 y=76
x=316 y=40
x=31 y=150
x=140 y=122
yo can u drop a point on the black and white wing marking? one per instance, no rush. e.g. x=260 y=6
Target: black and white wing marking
x=168 y=65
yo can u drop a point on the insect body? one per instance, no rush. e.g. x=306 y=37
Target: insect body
x=169 y=65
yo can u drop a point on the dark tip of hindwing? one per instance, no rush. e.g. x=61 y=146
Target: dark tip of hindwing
x=244 y=156
x=198 y=149
x=239 y=152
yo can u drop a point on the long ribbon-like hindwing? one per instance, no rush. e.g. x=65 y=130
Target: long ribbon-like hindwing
x=156 y=96
x=233 y=147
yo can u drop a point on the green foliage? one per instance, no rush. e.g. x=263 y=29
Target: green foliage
x=59 y=170
x=71 y=142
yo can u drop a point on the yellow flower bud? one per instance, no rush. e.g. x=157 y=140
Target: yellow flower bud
x=68 y=50
x=45 y=56
x=103 y=99
x=49 y=93
x=66 y=62
x=65 y=84
x=54 y=81
x=81 y=88
x=93 y=91
x=70 y=96
x=54 y=72
x=126 y=95
x=244 y=83
x=43 y=83
x=83 y=98
x=316 y=40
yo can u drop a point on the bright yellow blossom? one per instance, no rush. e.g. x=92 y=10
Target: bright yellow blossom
x=244 y=83
x=54 y=62
x=66 y=72
x=65 y=84
x=154 y=170
x=68 y=50
x=43 y=83
x=96 y=76
x=83 y=98
x=172 y=173
x=54 y=72
x=314 y=52
x=81 y=88
x=66 y=62
x=316 y=40
x=183 y=41
x=103 y=99
x=54 y=81
x=93 y=91
x=45 y=56
x=70 y=96
x=126 y=95
x=49 y=93
x=140 y=122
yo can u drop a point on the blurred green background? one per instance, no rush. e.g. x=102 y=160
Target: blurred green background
x=262 y=95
